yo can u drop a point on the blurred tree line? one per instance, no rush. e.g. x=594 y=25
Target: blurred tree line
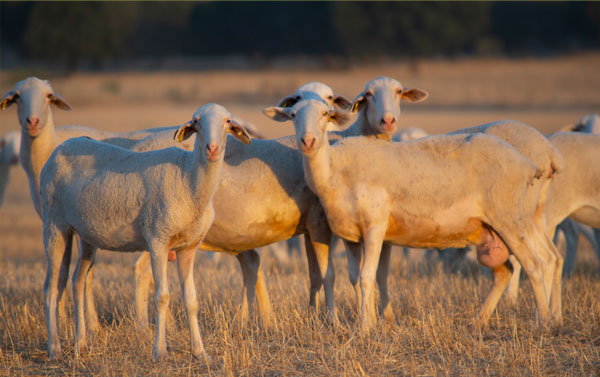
x=71 y=33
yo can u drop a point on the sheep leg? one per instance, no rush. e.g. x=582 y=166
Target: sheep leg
x=512 y=291
x=533 y=267
x=63 y=280
x=314 y=274
x=185 y=268
x=318 y=245
x=354 y=254
x=90 y=306
x=254 y=286
x=87 y=254
x=319 y=240
x=382 y=282
x=158 y=256
x=56 y=245
x=502 y=274
x=143 y=279
x=373 y=241
x=597 y=245
x=572 y=240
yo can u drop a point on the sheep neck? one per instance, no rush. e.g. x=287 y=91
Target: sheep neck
x=203 y=176
x=34 y=154
x=317 y=170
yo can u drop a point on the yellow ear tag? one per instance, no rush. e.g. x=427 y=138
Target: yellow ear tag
x=180 y=136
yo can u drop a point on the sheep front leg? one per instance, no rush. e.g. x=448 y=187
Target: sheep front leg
x=185 y=268
x=159 y=258
x=87 y=254
x=373 y=240
x=56 y=245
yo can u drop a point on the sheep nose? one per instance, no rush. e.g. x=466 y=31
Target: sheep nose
x=388 y=119
x=33 y=121
x=212 y=148
x=308 y=141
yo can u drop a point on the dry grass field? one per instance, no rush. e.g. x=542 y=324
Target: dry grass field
x=433 y=333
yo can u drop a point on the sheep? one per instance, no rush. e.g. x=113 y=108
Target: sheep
x=10 y=145
x=121 y=200
x=589 y=124
x=268 y=175
x=575 y=192
x=571 y=230
x=39 y=138
x=397 y=202
x=378 y=109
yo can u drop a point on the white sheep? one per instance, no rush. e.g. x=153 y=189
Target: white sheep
x=121 y=200
x=268 y=175
x=39 y=138
x=575 y=192
x=398 y=200
x=10 y=145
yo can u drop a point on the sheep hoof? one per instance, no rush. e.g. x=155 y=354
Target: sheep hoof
x=160 y=355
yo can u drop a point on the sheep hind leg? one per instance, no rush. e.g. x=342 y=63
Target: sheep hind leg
x=57 y=245
x=90 y=307
x=143 y=280
x=314 y=275
x=382 y=282
x=512 y=291
x=354 y=253
x=324 y=272
x=87 y=254
x=502 y=275
x=525 y=254
x=254 y=287
x=185 y=268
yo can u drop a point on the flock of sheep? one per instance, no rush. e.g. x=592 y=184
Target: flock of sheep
x=502 y=187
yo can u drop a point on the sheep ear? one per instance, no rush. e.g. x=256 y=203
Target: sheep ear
x=278 y=114
x=414 y=95
x=341 y=101
x=184 y=132
x=337 y=117
x=8 y=99
x=359 y=102
x=60 y=102
x=289 y=101
x=239 y=132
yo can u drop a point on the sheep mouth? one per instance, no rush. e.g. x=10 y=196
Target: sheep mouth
x=33 y=131
x=212 y=157
x=390 y=128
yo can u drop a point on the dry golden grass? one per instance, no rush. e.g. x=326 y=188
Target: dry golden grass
x=435 y=309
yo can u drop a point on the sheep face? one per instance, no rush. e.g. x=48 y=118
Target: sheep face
x=212 y=122
x=317 y=91
x=311 y=120
x=33 y=98
x=380 y=102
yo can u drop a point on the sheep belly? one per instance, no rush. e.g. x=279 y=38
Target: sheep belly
x=121 y=238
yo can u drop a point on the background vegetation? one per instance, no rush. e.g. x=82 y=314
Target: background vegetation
x=98 y=34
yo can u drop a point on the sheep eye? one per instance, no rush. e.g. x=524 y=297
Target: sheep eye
x=329 y=97
x=49 y=95
x=325 y=113
x=399 y=91
x=293 y=115
x=228 y=121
